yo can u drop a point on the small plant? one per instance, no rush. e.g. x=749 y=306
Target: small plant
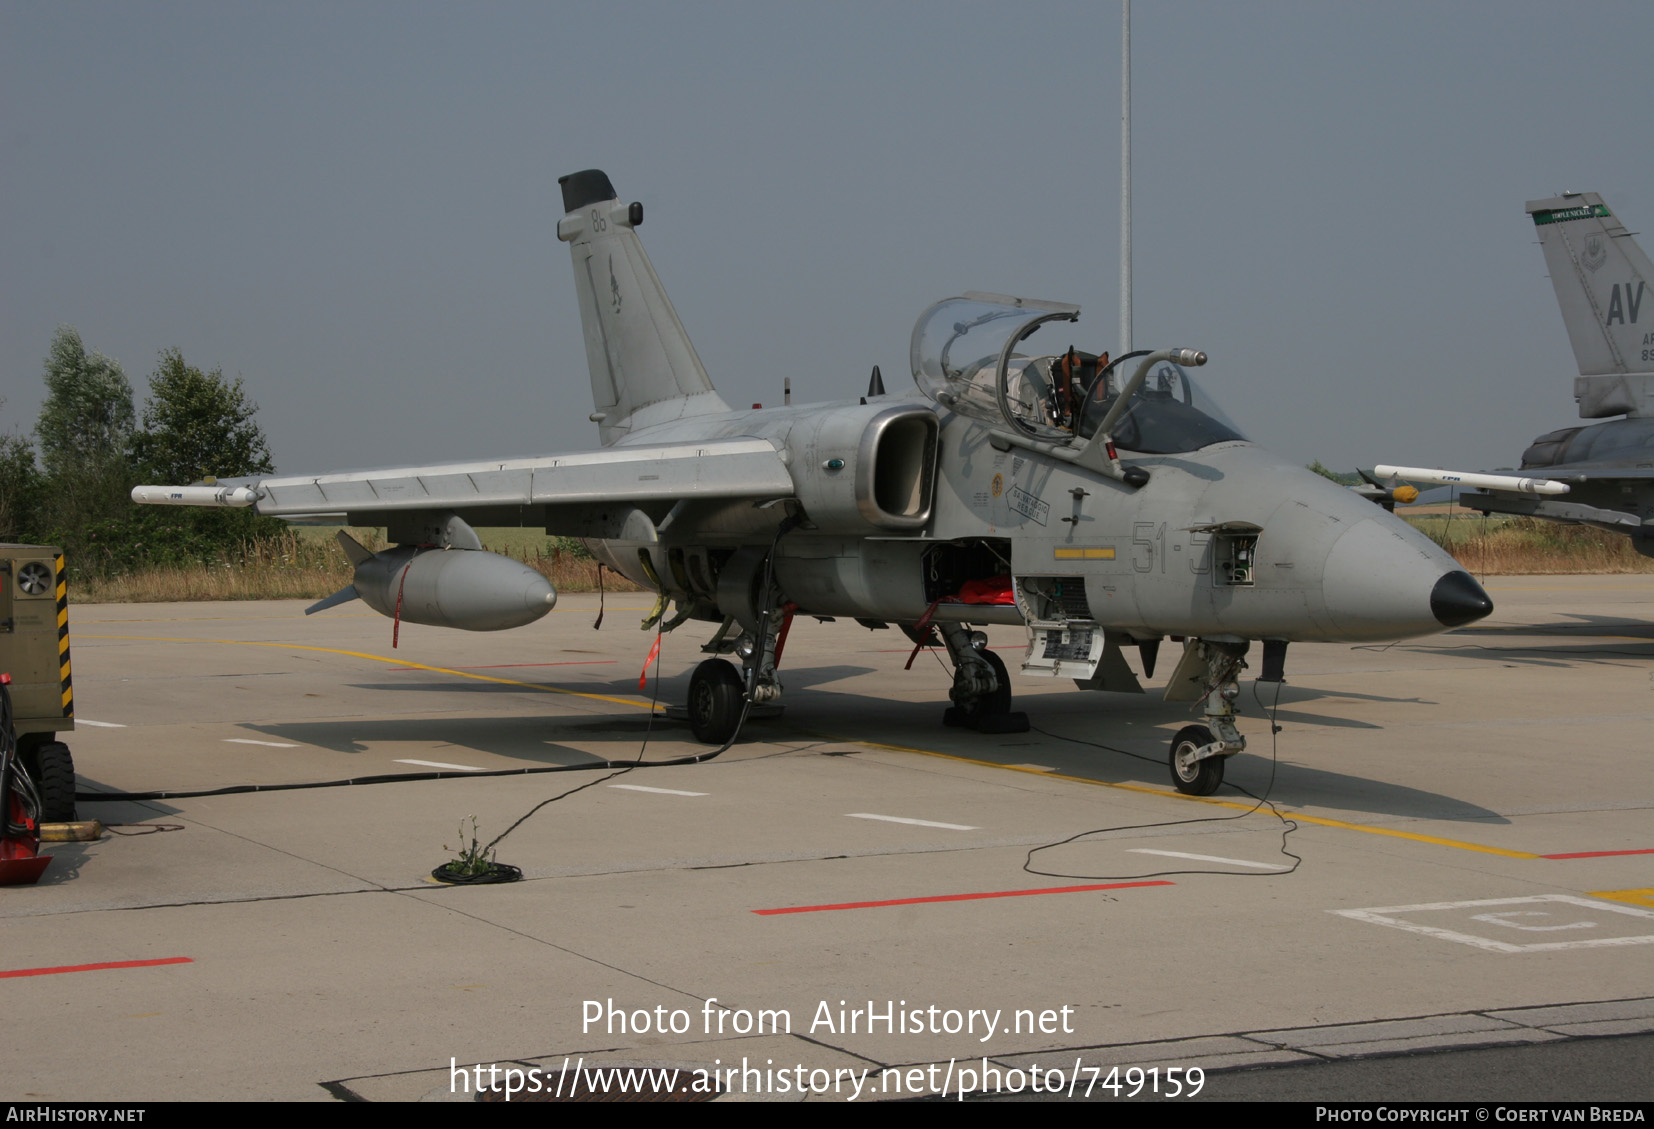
x=473 y=865
x=468 y=861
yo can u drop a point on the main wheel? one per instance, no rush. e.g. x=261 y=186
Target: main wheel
x=999 y=702
x=990 y=713
x=55 y=779
x=715 y=701
x=1195 y=777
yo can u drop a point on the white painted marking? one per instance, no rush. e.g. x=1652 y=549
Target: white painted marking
x=657 y=791
x=1207 y=858
x=250 y=741
x=1383 y=915
x=440 y=764
x=99 y=724
x=913 y=822
x=1503 y=919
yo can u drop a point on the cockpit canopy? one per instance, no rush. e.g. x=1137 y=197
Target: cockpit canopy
x=966 y=356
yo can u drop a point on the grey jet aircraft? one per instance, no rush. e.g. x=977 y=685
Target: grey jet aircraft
x=1102 y=505
x=1602 y=474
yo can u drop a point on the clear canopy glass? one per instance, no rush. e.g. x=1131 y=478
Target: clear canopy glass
x=967 y=355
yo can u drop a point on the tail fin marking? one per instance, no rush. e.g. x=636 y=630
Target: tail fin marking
x=1604 y=284
x=643 y=368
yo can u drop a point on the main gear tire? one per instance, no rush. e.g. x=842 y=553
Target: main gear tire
x=715 y=693
x=989 y=713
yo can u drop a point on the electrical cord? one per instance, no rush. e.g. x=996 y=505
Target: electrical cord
x=501 y=872
x=1288 y=825
x=469 y=774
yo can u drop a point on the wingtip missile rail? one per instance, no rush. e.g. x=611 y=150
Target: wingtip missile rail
x=217 y=496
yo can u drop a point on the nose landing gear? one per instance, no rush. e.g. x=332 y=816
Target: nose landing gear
x=1198 y=751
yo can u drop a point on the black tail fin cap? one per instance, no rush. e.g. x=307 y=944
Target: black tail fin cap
x=587 y=187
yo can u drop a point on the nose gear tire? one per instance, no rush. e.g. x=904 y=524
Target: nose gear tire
x=1195 y=777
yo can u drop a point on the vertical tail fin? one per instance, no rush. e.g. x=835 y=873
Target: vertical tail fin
x=643 y=368
x=1604 y=284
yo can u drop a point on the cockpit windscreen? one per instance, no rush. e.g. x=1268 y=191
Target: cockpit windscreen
x=1167 y=415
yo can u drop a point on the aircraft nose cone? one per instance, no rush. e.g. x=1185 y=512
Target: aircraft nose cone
x=1457 y=600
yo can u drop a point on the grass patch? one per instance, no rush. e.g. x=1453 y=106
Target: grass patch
x=306 y=563
x=1525 y=546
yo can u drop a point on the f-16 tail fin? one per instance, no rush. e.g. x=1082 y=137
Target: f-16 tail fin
x=643 y=368
x=1604 y=284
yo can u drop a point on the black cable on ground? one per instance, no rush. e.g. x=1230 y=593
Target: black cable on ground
x=786 y=526
x=468 y=774
x=1288 y=825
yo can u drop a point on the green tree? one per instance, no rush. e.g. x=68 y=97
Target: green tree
x=85 y=425
x=198 y=425
x=19 y=490
x=85 y=437
x=195 y=424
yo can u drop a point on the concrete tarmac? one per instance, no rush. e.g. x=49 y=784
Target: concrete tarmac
x=1458 y=855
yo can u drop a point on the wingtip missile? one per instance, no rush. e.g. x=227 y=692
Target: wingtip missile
x=1509 y=483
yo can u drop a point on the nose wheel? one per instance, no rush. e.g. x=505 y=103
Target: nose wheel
x=1192 y=773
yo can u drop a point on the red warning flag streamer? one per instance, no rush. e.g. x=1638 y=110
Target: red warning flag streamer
x=654 y=653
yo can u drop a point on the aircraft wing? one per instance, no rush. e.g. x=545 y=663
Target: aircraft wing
x=1545 y=496
x=710 y=470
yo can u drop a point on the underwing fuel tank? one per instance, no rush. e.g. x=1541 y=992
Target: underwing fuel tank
x=471 y=589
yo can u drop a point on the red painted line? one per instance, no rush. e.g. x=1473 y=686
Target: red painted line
x=513 y=666
x=1599 y=854
x=95 y=967
x=963 y=897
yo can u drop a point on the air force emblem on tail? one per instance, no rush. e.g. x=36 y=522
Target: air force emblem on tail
x=1596 y=253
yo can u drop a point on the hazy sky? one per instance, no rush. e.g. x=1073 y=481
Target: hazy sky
x=352 y=205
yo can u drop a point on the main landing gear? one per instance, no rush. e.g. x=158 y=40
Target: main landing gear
x=718 y=690
x=981 y=689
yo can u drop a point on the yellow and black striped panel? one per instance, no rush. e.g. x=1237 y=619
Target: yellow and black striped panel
x=63 y=636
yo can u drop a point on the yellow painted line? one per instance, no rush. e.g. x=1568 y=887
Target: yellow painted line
x=1436 y=840
x=397 y=661
x=1634 y=897
x=1083 y=554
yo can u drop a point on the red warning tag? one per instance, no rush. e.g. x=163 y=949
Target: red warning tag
x=643 y=679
